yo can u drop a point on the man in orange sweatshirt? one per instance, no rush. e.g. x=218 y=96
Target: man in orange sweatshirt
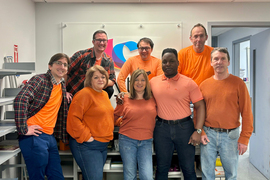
x=226 y=97
x=144 y=60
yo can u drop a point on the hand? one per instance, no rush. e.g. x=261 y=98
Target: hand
x=242 y=148
x=69 y=97
x=204 y=139
x=195 y=139
x=91 y=139
x=33 y=130
x=120 y=98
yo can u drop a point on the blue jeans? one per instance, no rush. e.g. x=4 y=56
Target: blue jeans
x=134 y=151
x=90 y=157
x=226 y=145
x=168 y=137
x=41 y=157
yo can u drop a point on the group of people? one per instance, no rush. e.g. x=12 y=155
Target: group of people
x=155 y=110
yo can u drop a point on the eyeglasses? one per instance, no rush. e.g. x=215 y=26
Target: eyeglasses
x=101 y=40
x=59 y=63
x=144 y=48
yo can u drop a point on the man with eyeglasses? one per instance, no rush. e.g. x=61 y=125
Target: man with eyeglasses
x=195 y=60
x=144 y=60
x=40 y=114
x=226 y=98
x=82 y=60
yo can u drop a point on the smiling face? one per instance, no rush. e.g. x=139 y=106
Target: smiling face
x=98 y=81
x=145 y=50
x=198 y=38
x=59 y=68
x=169 y=65
x=140 y=84
x=100 y=42
x=220 y=62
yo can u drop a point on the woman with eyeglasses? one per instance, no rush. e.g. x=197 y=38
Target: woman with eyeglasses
x=90 y=124
x=136 y=117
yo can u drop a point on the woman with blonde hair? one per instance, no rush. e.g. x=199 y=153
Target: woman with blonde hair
x=136 y=117
x=90 y=124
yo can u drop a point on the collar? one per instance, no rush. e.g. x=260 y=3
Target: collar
x=175 y=78
x=54 y=80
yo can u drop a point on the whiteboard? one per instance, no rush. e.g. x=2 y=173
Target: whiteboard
x=123 y=37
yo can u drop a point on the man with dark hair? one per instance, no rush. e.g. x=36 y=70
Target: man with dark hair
x=82 y=60
x=40 y=114
x=174 y=128
x=195 y=60
x=226 y=97
x=144 y=60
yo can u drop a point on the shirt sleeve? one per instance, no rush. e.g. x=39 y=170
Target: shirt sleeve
x=195 y=93
x=246 y=113
x=22 y=103
x=124 y=72
x=75 y=126
x=159 y=68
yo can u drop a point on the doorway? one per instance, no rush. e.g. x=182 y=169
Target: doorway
x=237 y=35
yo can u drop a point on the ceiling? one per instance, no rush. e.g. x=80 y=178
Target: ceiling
x=144 y=1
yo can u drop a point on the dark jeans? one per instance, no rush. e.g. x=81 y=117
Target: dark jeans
x=168 y=137
x=41 y=157
x=90 y=157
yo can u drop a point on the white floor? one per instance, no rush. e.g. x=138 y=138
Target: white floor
x=246 y=171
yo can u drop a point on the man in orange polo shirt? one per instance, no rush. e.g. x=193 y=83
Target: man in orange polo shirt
x=174 y=128
x=40 y=116
x=144 y=60
x=195 y=60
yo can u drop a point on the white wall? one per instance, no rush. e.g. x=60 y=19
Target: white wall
x=50 y=15
x=17 y=26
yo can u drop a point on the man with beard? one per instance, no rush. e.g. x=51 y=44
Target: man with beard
x=82 y=60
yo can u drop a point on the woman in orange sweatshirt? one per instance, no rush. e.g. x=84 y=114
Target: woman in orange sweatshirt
x=137 y=121
x=90 y=124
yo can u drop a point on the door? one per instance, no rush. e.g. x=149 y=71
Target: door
x=260 y=65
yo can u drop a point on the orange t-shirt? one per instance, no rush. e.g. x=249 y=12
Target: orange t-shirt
x=173 y=96
x=47 y=116
x=98 y=61
x=152 y=67
x=197 y=66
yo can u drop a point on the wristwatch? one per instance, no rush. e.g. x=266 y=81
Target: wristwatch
x=199 y=131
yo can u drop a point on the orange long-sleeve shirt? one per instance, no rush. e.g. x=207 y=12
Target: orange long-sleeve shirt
x=225 y=100
x=197 y=66
x=139 y=118
x=152 y=67
x=90 y=114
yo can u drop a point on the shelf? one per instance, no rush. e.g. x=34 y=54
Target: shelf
x=6 y=130
x=10 y=72
x=65 y=153
x=4 y=156
x=6 y=101
x=113 y=153
x=67 y=171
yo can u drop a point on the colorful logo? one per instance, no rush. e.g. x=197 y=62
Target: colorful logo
x=116 y=52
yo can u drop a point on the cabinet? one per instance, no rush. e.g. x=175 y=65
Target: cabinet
x=7 y=126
